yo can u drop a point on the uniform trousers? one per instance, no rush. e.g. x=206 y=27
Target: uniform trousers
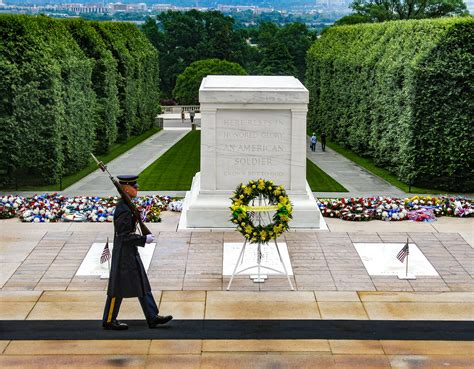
x=112 y=307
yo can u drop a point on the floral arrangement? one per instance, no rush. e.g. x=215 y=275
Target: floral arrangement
x=176 y=205
x=54 y=208
x=243 y=210
x=9 y=206
x=416 y=208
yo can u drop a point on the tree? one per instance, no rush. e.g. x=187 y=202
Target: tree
x=297 y=38
x=385 y=10
x=353 y=19
x=185 y=37
x=277 y=61
x=187 y=85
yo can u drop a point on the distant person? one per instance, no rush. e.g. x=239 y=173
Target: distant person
x=191 y=115
x=314 y=140
x=183 y=116
x=323 y=141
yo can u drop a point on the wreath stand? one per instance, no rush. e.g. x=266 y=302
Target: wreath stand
x=259 y=278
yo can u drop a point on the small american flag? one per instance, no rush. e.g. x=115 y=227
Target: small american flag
x=402 y=254
x=106 y=253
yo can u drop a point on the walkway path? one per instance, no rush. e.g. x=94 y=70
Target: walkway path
x=133 y=161
x=357 y=180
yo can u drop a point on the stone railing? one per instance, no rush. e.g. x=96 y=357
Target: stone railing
x=177 y=108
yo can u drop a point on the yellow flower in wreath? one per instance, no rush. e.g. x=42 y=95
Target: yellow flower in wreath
x=284 y=218
x=263 y=235
x=261 y=185
x=248 y=229
x=248 y=191
x=278 y=228
x=237 y=203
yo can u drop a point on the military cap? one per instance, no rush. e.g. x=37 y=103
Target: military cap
x=128 y=179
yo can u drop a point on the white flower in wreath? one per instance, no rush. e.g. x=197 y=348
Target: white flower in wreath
x=395 y=216
x=394 y=206
x=384 y=214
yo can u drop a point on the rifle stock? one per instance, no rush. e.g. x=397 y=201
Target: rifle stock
x=126 y=198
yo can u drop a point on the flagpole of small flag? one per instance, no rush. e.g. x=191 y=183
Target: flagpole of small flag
x=408 y=255
x=401 y=256
x=106 y=255
x=108 y=259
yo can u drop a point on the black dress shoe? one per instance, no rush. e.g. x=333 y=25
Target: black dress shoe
x=115 y=326
x=159 y=319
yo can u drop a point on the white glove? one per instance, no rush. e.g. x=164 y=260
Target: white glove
x=150 y=238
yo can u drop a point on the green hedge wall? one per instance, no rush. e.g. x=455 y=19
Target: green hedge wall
x=47 y=111
x=401 y=93
x=104 y=81
x=139 y=76
x=69 y=87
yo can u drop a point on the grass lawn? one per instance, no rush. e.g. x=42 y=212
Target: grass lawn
x=382 y=173
x=175 y=169
x=319 y=181
x=116 y=150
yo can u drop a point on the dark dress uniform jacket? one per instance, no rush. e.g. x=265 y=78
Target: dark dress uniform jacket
x=127 y=275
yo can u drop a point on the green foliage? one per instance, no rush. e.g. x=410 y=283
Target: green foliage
x=353 y=19
x=186 y=91
x=185 y=37
x=104 y=81
x=146 y=76
x=59 y=94
x=277 y=61
x=400 y=93
x=48 y=106
x=385 y=10
x=284 y=49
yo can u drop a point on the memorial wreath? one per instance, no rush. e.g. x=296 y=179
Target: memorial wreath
x=274 y=199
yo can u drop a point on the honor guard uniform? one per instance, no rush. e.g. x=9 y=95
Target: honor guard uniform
x=127 y=275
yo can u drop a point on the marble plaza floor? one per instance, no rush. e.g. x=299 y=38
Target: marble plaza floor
x=38 y=263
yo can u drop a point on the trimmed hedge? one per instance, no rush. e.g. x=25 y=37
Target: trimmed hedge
x=400 y=93
x=104 y=81
x=139 y=75
x=47 y=102
x=62 y=84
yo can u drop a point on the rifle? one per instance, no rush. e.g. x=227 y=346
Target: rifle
x=126 y=198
